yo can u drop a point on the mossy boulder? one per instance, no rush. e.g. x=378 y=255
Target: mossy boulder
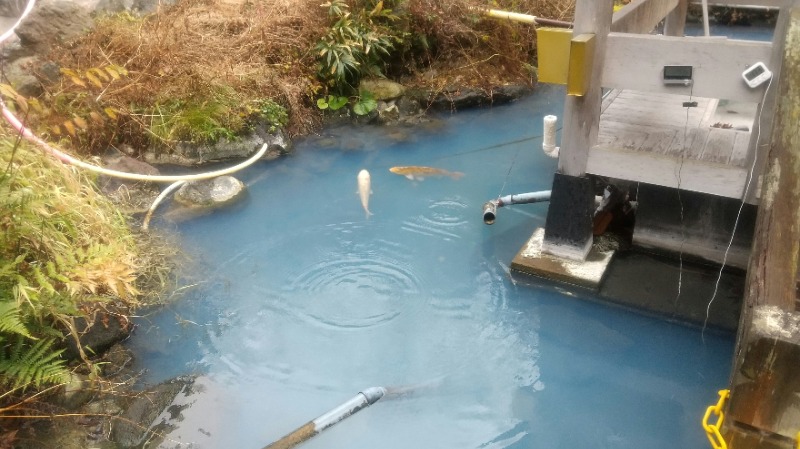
x=381 y=89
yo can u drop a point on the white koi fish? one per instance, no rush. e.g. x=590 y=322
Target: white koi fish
x=364 y=190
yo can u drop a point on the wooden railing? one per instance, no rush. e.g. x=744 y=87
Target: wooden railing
x=635 y=58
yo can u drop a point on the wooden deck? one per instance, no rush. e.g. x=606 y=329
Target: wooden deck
x=654 y=138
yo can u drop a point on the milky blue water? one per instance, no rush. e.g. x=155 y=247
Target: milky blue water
x=298 y=301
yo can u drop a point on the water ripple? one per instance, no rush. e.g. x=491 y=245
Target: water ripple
x=354 y=293
x=443 y=220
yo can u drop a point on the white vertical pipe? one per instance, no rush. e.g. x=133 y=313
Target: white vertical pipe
x=549 y=141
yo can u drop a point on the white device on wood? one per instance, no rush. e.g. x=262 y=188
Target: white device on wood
x=756 y=74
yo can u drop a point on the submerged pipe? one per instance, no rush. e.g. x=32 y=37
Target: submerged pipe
x=362 y=400
x=490 y=208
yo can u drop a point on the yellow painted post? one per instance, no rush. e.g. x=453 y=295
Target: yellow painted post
x=552 y=47
x=581 y=58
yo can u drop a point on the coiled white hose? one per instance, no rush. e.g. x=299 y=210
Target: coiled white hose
x=66 y=158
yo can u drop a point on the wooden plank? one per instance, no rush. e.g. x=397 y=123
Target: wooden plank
x=766 y=385
x=741 y=147
x=776 y=249
x=635 y=113
x=675 y=22
x=609 y=98
x=582 y=114
x=758 y=140
x=689 y=174
x=717 y=64
x=627 y=139
x=695 y=150
x=660 y=141
x=719 y=146
x=641 y=16
x=752 y=3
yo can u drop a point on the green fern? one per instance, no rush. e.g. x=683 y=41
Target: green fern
x=25 y=364
x=10 y=321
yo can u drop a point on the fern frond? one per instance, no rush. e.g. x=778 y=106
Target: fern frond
x=23 y=364
x=10 y=321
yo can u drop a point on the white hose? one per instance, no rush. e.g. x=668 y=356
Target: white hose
x=22 y=17
x=66 y=158
x=157 y=201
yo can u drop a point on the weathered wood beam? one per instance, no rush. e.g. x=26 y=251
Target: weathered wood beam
x=745 y=3
x=758 y=145
x=675 y=22
x=582 y=114
x=765 y=393
x=568 y=229
x=641 y=16
x=717 y=64
x=773 y=267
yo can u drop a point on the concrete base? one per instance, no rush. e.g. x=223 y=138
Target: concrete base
x=676 y=291
x=568 y=228
x=695 y=224
x=588 y=273
x=648 y=283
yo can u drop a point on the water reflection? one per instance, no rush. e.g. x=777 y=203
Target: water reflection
x=301 y=302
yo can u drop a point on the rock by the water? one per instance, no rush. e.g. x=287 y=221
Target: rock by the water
x=104 y=331
x=77 y=392
x=458 y=98
x=132 y=196
x=20 y=75
x=190 y=154
x=54 y=21
x=381 y=89
x=134 y=427
x=211 y=192
x=387 y=112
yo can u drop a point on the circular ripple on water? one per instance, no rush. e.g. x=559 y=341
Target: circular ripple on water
x=442 y=220
x=352 y=292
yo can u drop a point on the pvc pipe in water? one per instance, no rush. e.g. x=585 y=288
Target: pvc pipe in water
x=490 y=208
x=361 y=401
x=549 y=142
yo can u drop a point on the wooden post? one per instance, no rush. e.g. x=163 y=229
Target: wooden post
x=760 y=140
x=675 y=22
x=568 y=230
x=582 y=114
x=765 y=393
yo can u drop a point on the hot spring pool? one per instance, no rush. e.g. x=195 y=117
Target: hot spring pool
x=298 y=302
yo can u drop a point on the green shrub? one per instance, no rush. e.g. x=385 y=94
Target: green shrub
x=357 y=45
x=65 y=252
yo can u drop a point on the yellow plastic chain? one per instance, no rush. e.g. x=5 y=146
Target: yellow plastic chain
x=712 y=430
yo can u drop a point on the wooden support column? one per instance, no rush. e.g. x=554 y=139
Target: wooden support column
x=764 y=408
x=582 y=114
x=759 y=142
x=675 y=22
x=581 y=125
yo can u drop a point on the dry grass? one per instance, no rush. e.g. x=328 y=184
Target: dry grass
x=476 y=51
x=231 y=52
x=208 y=48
